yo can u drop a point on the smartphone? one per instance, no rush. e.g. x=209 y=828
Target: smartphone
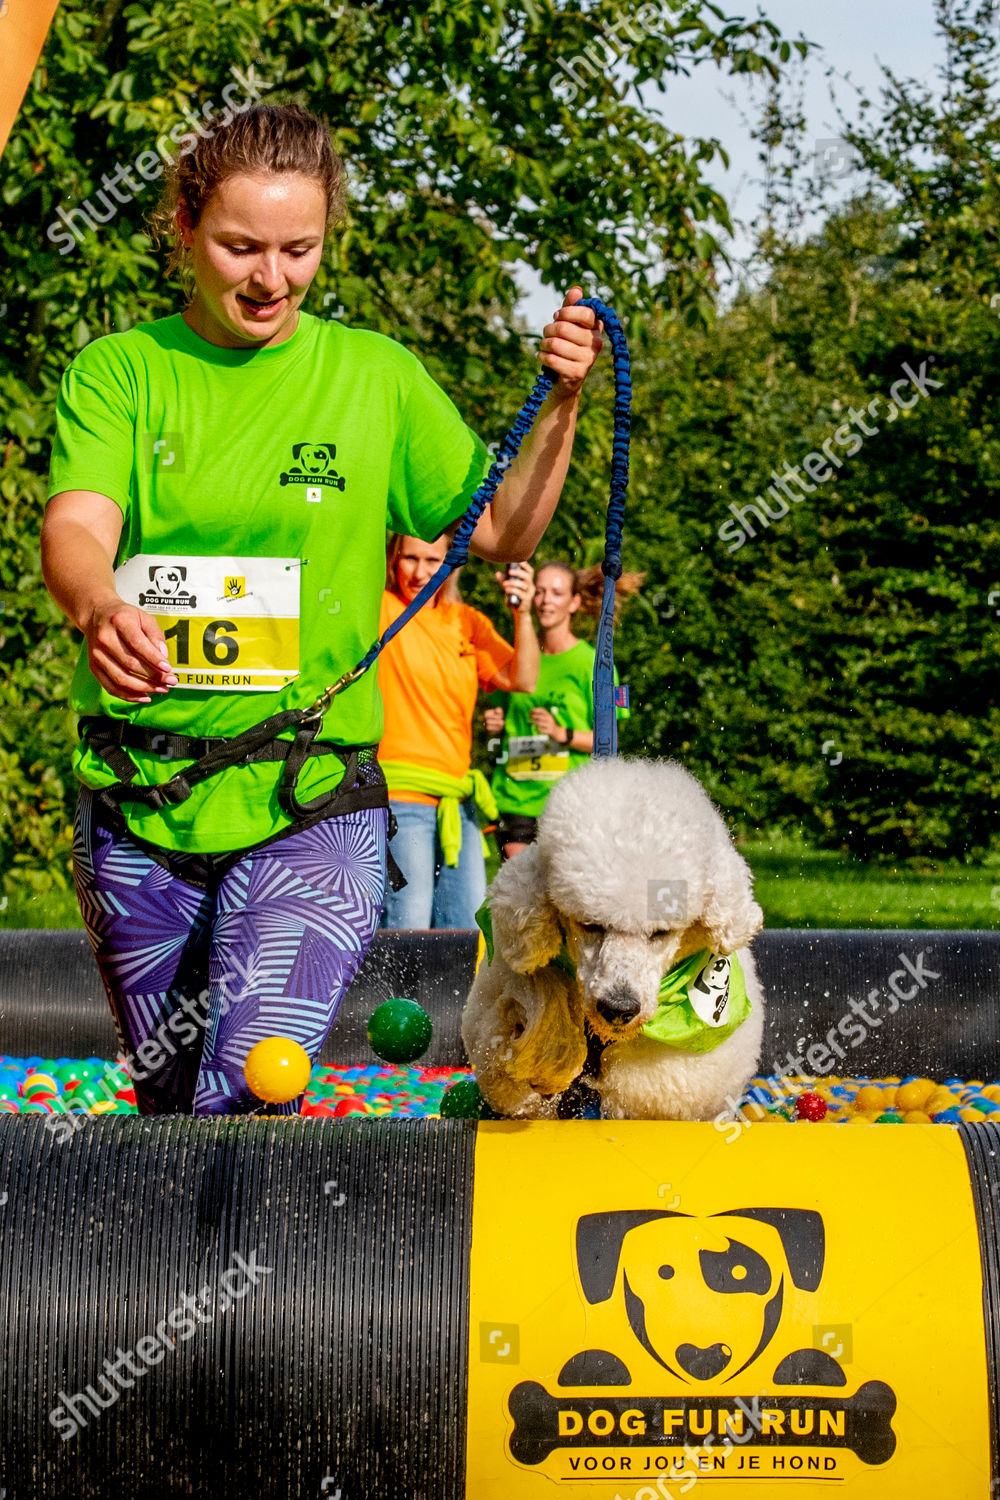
x=514 y=600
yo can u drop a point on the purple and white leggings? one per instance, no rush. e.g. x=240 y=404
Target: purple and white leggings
x=196 y=977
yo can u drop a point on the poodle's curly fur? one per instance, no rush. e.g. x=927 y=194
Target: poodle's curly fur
x=613 y=833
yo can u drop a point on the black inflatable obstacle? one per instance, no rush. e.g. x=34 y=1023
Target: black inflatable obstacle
x=440 y=1310
x=933 y=998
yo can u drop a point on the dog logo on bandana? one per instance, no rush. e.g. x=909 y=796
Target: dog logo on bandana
x=709 y=992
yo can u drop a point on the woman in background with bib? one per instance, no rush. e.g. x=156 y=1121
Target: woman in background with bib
x=221 y=485
x=548 y=732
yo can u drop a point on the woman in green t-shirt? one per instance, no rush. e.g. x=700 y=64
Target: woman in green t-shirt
x=548 y=732
x=221 y=485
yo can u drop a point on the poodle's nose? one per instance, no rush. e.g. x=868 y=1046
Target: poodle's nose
x=619 y=1005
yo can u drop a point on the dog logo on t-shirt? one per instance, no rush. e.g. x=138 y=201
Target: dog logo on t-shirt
x=312 y=465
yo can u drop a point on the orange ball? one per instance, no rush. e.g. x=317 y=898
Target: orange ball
x=277 y=1069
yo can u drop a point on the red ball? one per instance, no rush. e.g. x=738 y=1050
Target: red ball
x=351 y=1107
x=810 y=1107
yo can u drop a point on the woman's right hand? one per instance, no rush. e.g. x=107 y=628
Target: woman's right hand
x=127 y=652
x=493 y=718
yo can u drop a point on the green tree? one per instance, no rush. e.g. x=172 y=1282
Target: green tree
x=836 y=674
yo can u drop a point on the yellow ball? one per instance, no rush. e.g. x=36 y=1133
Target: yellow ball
x=911 y=1096
x=917 y=1117
x=869 y=1099
x=753 y=1112
x=277 y=1069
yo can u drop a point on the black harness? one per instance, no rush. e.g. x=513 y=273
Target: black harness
x=112 y=739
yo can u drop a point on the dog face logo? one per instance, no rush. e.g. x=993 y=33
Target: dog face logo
x=709 y=994
x=166 y=588
x=716 y=1303
x=704 y=1296
x=167 y=580
x=312 y=465
x=314 y=458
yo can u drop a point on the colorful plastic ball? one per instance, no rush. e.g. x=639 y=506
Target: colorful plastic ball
x=915 y=1093
x=89 y=1094
x=464 y=1101
x=400 y=1031
x=35 y=1083
x=351 y=1107
x=810 y=1106
x=277 y=1069
x=890 y=1117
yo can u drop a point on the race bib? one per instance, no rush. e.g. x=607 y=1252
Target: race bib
x=231 y=623
x=534 y=757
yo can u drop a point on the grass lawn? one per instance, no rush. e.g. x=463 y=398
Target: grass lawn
x=800 y=887
x=797 y=887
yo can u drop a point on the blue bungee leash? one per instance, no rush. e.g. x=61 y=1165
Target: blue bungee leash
x=605 y=719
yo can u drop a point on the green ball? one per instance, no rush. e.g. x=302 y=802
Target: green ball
x=464 y=1101
x=400 y=1031
x=891 y=1117
x=88 y=1094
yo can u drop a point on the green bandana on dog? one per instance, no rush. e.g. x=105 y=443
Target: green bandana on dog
x=703 y=999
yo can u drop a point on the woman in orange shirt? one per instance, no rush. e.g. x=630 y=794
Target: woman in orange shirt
x=429 y=677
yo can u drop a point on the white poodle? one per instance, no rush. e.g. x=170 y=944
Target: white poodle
x=633 y=874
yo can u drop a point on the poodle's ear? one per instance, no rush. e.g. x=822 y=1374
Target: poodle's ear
x=731 y=916
x=526 y=931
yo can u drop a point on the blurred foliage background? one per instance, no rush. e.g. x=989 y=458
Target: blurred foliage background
x=834 y=680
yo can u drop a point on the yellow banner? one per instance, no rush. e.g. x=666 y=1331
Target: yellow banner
x=24 y=25
x=654 y=1309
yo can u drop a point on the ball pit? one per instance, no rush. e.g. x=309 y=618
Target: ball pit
x=51 y=1085
x=871 y=1101
x=97 y=1087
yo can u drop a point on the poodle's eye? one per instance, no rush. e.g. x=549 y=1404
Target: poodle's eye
x=661 y=932
x=591 y=927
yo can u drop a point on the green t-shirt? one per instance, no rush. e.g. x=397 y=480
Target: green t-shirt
x=302 y=453
x=523 y=780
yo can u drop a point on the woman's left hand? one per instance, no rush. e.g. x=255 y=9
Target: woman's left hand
x=571 y=343
x=544 y=722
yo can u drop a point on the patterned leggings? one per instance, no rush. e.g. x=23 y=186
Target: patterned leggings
x=196 y=976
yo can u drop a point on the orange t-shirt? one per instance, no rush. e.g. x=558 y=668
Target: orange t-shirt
x=429 y=676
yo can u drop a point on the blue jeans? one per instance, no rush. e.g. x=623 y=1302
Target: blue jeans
x=435 y=895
